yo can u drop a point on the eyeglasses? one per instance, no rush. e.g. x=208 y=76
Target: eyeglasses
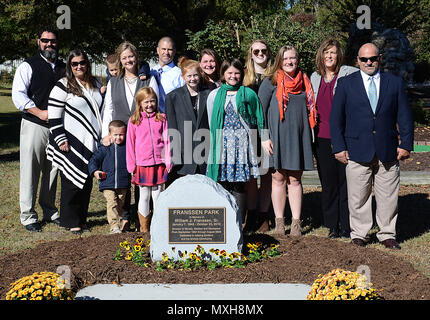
x=372 y=59
x=256 y=52
x=76 y=63
x=45 y=40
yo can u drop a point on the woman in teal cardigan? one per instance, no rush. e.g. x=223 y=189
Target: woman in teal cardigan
x=235 y=114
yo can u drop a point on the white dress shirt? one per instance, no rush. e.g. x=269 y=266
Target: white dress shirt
x=376 y=79
x=21 y=83
x=170 y=79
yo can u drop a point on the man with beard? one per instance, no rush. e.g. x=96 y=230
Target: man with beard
x=32 y=84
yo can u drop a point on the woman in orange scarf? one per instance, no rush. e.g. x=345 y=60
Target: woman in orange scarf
x=289 y=115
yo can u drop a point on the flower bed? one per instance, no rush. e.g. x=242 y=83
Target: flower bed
x=215 y=258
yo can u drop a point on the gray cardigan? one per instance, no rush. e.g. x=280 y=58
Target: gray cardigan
x=316 y=78
x=121 y=110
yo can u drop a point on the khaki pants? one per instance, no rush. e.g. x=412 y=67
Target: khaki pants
x=385 y=179
x=33 y=164
x=114 y=202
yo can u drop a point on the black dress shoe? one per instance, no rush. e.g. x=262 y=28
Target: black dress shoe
x=345 y=234
x=33 y=227
x=391 y=244
x=55 y=221
x=333 y=233
x=358 y=242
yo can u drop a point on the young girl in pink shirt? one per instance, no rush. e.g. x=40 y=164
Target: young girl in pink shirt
x=148 y=151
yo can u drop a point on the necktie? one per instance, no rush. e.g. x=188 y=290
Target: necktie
x=373 y=96
x=159 y=71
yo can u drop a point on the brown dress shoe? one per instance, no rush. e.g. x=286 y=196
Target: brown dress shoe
x=391 y=244
x=358 y=242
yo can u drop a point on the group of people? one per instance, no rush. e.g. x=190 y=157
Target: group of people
x=236 y=123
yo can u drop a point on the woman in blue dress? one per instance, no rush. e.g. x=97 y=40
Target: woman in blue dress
x=235 y=114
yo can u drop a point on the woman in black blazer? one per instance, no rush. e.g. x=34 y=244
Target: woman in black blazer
x=186 y=114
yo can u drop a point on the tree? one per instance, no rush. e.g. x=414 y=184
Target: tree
x=301 y=31
x=230 y=39
x=419 y=37
x=241 y=10
x=99 y=26
x=221 y=37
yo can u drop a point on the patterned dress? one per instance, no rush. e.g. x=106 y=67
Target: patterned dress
x=238 y=159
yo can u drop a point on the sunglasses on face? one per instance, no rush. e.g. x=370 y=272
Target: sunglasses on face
x=256 y=52
x=76 y=63
x=372 y=59
x=45 y=40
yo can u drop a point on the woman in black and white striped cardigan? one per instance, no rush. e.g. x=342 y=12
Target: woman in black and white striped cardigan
x=75 y=130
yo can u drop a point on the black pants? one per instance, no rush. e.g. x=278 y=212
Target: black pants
x=238 y=187
x=334 y=196
x=74 y=202
x=129 y=212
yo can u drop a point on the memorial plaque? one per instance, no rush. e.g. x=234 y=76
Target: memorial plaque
x=195 y=211
x=197 y=225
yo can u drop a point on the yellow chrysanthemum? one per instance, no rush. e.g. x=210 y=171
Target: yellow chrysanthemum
x=341 y=285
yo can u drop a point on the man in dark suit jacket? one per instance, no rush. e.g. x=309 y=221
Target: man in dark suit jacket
x=367 y=109
x=186 y=115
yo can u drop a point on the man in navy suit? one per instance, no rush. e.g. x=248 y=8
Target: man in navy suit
x=370 y=110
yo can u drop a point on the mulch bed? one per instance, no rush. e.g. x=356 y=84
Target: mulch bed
x=422 y=134
x=418 y=161
x=91 y=261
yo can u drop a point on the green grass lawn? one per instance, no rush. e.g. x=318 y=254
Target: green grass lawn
x=10 y=119
x=414 y=207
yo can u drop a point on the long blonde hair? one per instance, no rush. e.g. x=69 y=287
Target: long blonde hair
x=250 y=75
x=277 y=65
x=120 y=49
x=141 y=95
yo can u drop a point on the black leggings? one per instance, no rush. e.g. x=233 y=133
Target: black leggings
x=74 y=202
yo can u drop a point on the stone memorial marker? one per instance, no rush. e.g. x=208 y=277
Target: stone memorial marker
x=195 y=210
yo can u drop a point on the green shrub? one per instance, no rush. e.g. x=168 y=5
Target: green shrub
x=421 y=115
x=230 y=39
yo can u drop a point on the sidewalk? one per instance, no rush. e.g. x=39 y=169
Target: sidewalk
x=210 y=291
x=310 y=178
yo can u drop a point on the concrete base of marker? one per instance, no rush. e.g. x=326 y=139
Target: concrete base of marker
x=167 y=291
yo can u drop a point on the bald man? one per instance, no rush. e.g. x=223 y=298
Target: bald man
x=167 y=74
x=370 y=110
